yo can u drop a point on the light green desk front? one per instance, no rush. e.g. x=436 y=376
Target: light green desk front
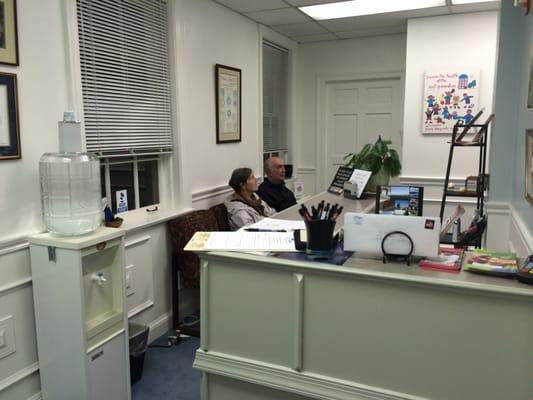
x=280 y=329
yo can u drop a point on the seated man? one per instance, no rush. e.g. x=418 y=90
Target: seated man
x=273 y=190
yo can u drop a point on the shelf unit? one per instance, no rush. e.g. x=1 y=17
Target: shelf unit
x=81 y=322
x=459 y=131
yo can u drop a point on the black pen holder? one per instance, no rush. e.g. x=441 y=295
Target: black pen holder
x=320 y=236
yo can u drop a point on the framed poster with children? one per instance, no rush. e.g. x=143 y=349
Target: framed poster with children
x=449 y=97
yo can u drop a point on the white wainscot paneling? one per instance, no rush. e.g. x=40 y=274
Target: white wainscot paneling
x=308 y=177
x=19 y=378
x=498 y=227
x=139 y=273
x=520 y=237
x=433 y=196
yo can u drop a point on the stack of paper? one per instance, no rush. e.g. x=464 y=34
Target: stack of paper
x=241 y=241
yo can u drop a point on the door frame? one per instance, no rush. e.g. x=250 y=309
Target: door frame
x=322 y=81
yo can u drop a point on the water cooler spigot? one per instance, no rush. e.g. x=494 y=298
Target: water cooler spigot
x=99 y=278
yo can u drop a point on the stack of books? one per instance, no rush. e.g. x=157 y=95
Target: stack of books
x=492 y=263
x=449 y=259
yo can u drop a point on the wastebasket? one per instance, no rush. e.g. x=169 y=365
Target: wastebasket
x=138 y=338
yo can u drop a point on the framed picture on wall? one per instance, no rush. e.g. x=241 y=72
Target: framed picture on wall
x=8 y=33
x=530 y=89
x=228 y=103
x=449 y=97
x=9 y=120
x=529 y=166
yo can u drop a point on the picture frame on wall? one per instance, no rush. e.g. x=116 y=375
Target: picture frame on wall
x=9 y=119
x=8 y=33
x=529 y=166
x=530 y=88
x=449 y=97
x=228 y=104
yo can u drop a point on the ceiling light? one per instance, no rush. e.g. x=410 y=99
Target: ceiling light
x=455 y=2
x=366 y=7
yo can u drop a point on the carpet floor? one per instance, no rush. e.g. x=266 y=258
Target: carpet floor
x=168 y=373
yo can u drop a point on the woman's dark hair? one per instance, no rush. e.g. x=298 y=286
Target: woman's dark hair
x=239 y=178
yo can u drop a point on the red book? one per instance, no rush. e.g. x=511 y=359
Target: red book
x=449 y=259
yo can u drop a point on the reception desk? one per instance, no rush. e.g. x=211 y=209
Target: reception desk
x=289 y=330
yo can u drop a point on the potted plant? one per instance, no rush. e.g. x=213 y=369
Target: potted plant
x=378 y=159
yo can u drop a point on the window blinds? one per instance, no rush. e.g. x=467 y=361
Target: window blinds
x=125 y=76
x=275 y=95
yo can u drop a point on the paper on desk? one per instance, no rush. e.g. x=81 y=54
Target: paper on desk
x=241 y=241
x=277 y=224
x=360 y=177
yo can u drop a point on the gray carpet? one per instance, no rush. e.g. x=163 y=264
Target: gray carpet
x=168 y=373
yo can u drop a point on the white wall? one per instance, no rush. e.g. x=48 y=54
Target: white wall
x=42 y=98
x=510 y=214
x=446 y=43
x=210 y=34
x=336 y=59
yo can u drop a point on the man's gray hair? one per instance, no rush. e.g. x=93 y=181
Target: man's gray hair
x=267 y=167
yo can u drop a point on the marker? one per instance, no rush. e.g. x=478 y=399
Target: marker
x=325 y=212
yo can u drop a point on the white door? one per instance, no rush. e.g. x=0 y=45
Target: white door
x=357 y=113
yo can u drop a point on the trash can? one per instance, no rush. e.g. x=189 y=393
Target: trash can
x=138 y=338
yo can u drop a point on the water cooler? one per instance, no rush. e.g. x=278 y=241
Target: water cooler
x=78 y=281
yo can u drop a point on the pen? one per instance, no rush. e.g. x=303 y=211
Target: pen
x=306 y=212
x=304 y=215
x=325 y=212
x=263 y=230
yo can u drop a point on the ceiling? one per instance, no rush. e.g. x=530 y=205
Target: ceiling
x=284 y=17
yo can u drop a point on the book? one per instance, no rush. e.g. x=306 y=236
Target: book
x=449 y=259
x=492 y=263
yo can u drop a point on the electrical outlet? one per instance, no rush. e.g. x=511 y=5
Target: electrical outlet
x=7 y=336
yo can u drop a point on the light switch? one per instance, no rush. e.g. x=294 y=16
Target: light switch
x=130 y=277
x=7 y=336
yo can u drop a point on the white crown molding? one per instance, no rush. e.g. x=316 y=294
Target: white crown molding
x=282 y=378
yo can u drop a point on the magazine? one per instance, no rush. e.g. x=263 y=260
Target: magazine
x=449 y=259
x=492 y=263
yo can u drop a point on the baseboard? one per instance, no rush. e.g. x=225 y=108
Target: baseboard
x=159 y=327
x=282 y=378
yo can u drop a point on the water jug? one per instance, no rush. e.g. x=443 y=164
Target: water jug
x=70 y=192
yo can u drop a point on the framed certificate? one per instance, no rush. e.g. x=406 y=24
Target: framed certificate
x=529 y=166
x=8 y=33
x=9 y=120
x=228 y=103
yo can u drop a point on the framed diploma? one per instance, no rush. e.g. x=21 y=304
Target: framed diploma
x=9 y=119
x=529 y=166
x=228 y=103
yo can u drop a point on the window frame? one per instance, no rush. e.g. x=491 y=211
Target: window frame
x=290 y=154
x=168 y=184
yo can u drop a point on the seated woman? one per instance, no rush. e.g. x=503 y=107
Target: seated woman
x=244 y=206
